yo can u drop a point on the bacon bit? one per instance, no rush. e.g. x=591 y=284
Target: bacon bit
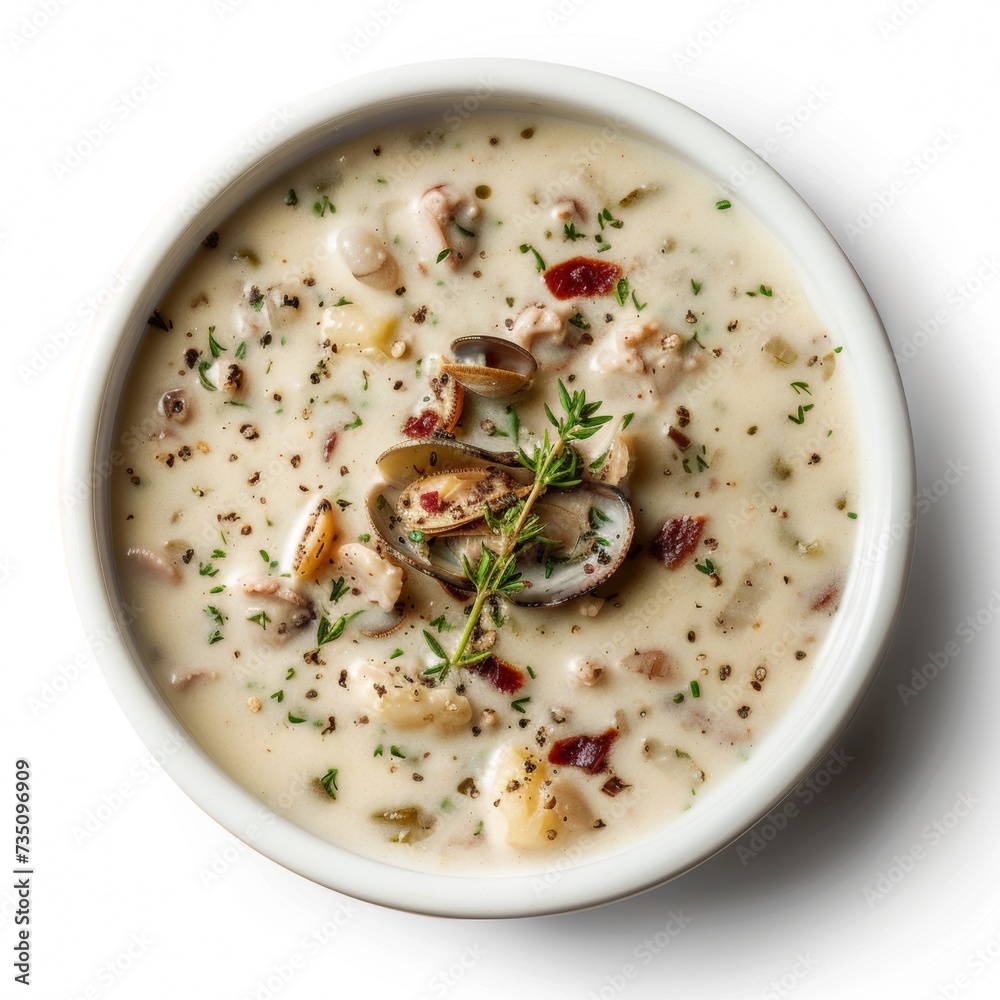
x=583 y=751
x=582 y=277
x=614 y=785
x=679 y=438
x=328 y=445
x=829 y=599
x=677 y=540
x=501 y=674
x=431 y=501
x=423 y=426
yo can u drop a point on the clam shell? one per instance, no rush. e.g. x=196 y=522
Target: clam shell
x=593 y=545
x=314 y=551
x=490 y=366
x=448 y=500
x=439 y=410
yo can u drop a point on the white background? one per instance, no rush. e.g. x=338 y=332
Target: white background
x=886 y=883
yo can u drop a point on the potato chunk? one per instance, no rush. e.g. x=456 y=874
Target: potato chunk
x=416 y=707
x=535 y=809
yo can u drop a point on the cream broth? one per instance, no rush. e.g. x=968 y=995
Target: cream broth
x=313 y=331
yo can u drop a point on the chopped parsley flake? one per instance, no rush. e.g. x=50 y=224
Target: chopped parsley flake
x=261 y=618
x=329 y=780
x=528 y=248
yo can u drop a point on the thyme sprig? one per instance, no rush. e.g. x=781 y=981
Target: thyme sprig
x=555 y=464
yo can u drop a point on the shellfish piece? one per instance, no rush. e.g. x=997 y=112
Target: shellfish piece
x=490 y=366
x=154 y=563
x=447 y=500
x=368 y=257
x=314 y=554
x=440 y=409
x=299 y=608
x=450 y=218
x=377 y=579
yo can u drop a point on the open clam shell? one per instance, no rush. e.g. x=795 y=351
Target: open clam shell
x=490 y=366
x=592 y=523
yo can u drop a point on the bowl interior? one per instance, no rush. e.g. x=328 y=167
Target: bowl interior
x=870 y=600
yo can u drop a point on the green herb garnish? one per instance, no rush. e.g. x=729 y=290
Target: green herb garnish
x=528 y=248
x=327 y=632
x=320 y=207
x=261 y=618
x=329 y=780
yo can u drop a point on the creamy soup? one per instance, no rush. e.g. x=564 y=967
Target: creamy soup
x=489 y=490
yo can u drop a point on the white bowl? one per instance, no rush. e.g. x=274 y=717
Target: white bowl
x=872 y=596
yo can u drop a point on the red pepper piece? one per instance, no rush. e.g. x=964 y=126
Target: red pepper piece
x=582 y=277
x=502 y=675
x=583 y=751
x=677 y=540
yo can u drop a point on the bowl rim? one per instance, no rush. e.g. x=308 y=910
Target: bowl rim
x=872 y=597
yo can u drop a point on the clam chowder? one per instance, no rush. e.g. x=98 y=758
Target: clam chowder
x=488 y=491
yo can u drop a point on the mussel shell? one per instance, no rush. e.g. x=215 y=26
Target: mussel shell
x=490 y=366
